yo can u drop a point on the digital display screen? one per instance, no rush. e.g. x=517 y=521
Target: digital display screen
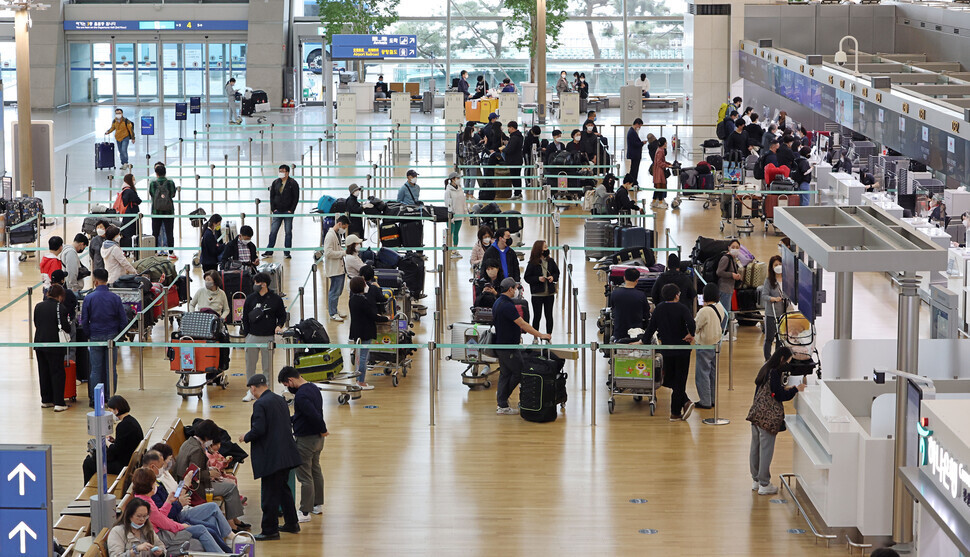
x=913 y=397
x=788 y=274
x=806 y=291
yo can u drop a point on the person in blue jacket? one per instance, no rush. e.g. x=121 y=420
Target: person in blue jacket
x=103 y=317
x=410 y=192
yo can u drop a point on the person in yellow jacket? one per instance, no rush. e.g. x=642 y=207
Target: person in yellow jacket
x=124 y=132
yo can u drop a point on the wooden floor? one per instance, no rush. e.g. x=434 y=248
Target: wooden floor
x=477 y=483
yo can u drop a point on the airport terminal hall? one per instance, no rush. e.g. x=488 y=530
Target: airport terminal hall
x=496 y=277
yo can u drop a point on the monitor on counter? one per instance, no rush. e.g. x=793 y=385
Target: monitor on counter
x=789 y=286
x=807 y=291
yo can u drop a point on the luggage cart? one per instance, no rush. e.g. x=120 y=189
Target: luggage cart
x=633 y=372
x=335 y=379
x=479 y=364
x=392 y=361
x=701 y=188
x=193 y=362
x=134 y=300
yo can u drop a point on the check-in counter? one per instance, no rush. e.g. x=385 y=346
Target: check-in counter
x=884 y=201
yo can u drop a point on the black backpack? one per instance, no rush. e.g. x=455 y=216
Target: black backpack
x=709 y=272
x=721 y=130
x=759 y=168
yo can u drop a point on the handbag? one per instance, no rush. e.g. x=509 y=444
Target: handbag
x=82 y=272
x=62 y=335
x=766 y=412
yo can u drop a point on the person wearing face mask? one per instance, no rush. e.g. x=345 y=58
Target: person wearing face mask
x=50 y=319
x=487 y=285
x=192 y=452
x=114 y=258
x=103 y=317
x=242 y=249
x=457 y=205
x=512 y=152
x=550 y=149
x=573 y=146
x=773 y=300
x=71 y=263
x=263 y=316
x=502 y=252
x=212 y=297
x=232 y=103
x=352 y=260
x=128 y=203
x=589 y=141
x=212 y=246
x=94 y=249
x=562 y=86
x=144 y=485
x=133 y=535
x=128 y=434
x=333 y=266
x=483 y=243
x=542 y=274
x=463 y=85
x=206 y=515
x=124 y=133
x=309 y=431
x=481 y=88
x=660 y=172
x=162 y=192
x=364 y=317
x=728 y=273
x=710 y=324
x=582 y=87
x=354 y=207
x=380 y=88
x=410 y=192
x=284 y=197
x=644 y=84
x=274 y=453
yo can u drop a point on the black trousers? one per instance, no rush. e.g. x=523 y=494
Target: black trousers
x=510 y=374
x=169 y=224
x=276 y=495
x=542 y=305
x=207 y=268
x=82 y=357
x=676 y=368
x=635 y=168
x=515 y=183
x=90 y=467
x=50 y=368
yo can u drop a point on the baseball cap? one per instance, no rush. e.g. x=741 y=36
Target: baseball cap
x=255 y=380
x=58 y=275
x=412 y=172
x=353 y=239
x=493 y=116
x=507 y=282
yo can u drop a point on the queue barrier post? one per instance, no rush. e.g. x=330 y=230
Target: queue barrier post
x=30 y=307
x=141 y=351
x=257 y=219
x=582 y=351
x=300 y=292
x=313 y=273
x=431 y=379
x=593 y=346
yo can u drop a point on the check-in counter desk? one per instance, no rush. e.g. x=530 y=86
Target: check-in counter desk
x=843 y=451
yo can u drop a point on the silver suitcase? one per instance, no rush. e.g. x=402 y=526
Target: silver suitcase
x=597 y=235
x=275 y=272
x=229 y=231
x=472 y=337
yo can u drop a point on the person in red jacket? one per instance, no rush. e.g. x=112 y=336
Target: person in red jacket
x=51 y=261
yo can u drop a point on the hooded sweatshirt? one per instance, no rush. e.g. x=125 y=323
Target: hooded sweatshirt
x=48 y=264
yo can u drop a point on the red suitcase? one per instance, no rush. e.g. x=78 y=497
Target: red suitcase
x=772 y=200
x=70 y=380
x=173 y=299
x=197 y=357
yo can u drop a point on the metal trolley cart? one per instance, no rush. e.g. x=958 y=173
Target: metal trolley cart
x=195 y=361
x=633 y=372
x=324 y=367
x=474 y=337
x=392 y=361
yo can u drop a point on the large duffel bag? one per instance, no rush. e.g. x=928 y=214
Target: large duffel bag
x=412 y=234
x=156 y=267
x=239 y=280
x=542 y=387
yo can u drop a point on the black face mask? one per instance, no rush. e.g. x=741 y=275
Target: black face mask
x=292 y=389
x=545 y=253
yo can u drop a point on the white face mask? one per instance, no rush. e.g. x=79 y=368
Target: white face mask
x=582 y=79
x=778 y=269
x=117 y=116
x=282 y=176
x=486 y=241
x=118 y=238
x=735 y=252
x=589 y=128
x=210 y=285
x=137 y=526
x=100 y=232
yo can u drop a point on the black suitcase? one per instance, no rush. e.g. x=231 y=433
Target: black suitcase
x=715 y=161
x=509 y=219
x=781 y=183
x=104 y=155
x=239 y=280
x=542 y=387
x=390 y=235
x=412 y=268
x=389 y=278
x=412 y=234
x=441 y=213
x=747 y=299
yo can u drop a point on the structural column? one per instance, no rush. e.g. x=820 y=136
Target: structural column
x=25 y=174
x=540 y=32
x=907 y=359
x=843 y=306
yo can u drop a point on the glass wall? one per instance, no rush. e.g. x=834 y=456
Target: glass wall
x=8 y=70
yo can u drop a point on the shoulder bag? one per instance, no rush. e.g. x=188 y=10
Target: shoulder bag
x=766 y=412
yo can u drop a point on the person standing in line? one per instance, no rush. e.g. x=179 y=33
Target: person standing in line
x=675 y=275
x=509 y=326
x=634 y=149
x=274 y=453
x=583 y=88
x=162 y=192
x=130 y=204
x=644 y=84
x=284 y=197
x=478 y=250
x=309 y=430
x=124 y=133
x=94 y=249
x=512 y=152
x=103 y=317
x=115 y=262
x=767 y=417
x=232 y=101
x=803 y=169
x=352 y=260
x=364 y=317
x=263 y=316
x=354 y=207
x=542 y=275
x=501 y=251
x=80 y=355
x=710 y=323
x=728 y=273
x=50 y=320
x=212 y=297
x=457 y=204
x=463 y=85
x=773 y=300
x=212 y=246
x=51 y=261
x=242 y=249
x=333 y=266
x=674 y=325
x=660 y=166
x=410 y=192
x=71 y=262
x=373 y=289
x=562 y=86
x=629 y=306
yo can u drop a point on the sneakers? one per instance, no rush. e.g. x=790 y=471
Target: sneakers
x=662 y=205
x=365 y=386
x=688 y=408
x=755 y=485
x=267 y=254
x=507 y=411
x=46 y=405
x=455 y=255
x=248 y=397
x=287 y=256
x=343 y=315
x=676 y=418
x=767 y=489
x=336 y=318
x=60 y=408
x=317 y=509
x=302 y=517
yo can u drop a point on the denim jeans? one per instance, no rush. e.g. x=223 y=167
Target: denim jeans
x=202 y=534
x=333 y=296
x=806 y=198
x=362 y=355
x=210 y=516
x=704 y=376
x=274 y=228
x=726 y=300
x=99 y=369
x=123 y=149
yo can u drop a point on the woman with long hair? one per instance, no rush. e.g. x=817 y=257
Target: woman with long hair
x=212 y=245
x=660 y=166
x=767 y=417
x=484 y=242
x=773 y=300
x=172 y=533
x=542 y=274
x=133 y=534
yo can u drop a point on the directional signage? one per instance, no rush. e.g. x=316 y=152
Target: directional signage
x=156 y=25
x=25 y=500
x=195 y=106
x=180 y=111
x=148 y=125
x=357 y=47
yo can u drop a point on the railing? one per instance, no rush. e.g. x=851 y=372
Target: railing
x=799 y=509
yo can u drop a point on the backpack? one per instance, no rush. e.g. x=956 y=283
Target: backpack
x=759 y=168
x=796 y=173
x=119 y=204
x=163 y=204
x=325 y=203
x=721 y=130
x=723 y=111
x=709 y=272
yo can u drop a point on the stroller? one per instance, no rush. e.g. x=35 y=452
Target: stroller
x=797 y=333
x=253 y=103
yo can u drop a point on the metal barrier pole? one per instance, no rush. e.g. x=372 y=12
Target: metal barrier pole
x=370 y=144
x=319 y=155
x=257 y=221
x=212 y=190
x=250 y=158
x=89 y=198
x=431 y=378
x=197 y=177
x=181 y=143
x=437 y=339
x=141 y=351
x=313 y=273
x=575 y=311
x=582 y=340
x=195 y=146
x=300 y=294
x=731 y=332
x=571 y=301
x=592 y=377
x=261 y=144
x=207 y=146
x=168 y=330
x=225 y=159
x=30 y=311
x=310 y=168
x=112 y=367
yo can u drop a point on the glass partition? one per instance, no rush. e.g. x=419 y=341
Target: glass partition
x=218 y=70
x=194 y=63
x=8 y=70
x=147 y=64
x=172 y=72
x=103 y=86
x=80 y=73
x=125 y=73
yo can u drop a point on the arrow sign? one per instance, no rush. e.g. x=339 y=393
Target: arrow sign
x=22 y=471
x=24 y=531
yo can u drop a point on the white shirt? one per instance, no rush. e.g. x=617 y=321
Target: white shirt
x=643 y=84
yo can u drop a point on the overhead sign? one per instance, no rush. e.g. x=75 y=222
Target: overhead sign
x=181 y=110
x=148 y=125
x=25 y=500
x=358 y=47
x=195 y=106
x=156 y=25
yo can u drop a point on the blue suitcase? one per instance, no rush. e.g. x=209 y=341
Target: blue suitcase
x=104 y=155
x=632 y=237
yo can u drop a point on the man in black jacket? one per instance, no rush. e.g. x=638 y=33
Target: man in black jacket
x=755 y=132
x=274 y=453
x=674 y=325
x=623 y=202
x=502 y=252
x=284 y=196
x=786 y=157
x=242 y=249
x=674 y=275
x=634 y=149
x=263 y=317
x=309 y=429
x=513 y=157
x=492 y=134
x=737 y=142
